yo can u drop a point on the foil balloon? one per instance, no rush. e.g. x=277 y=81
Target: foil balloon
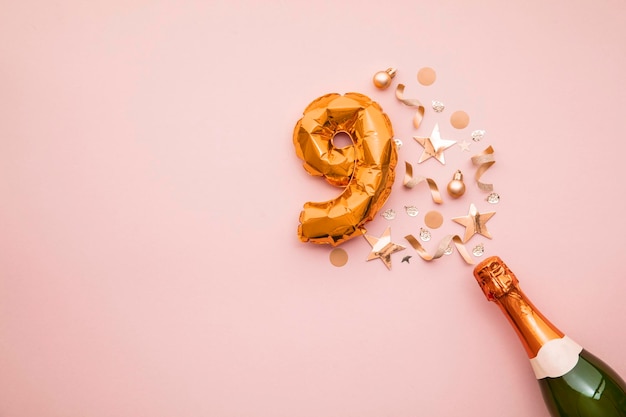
x=364 y=169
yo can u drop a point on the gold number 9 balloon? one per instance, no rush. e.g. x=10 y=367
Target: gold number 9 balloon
x=365 y=169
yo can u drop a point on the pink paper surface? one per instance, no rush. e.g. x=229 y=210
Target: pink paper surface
x=150 y=193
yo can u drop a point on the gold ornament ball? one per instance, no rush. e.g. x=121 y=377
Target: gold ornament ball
x=382 y=79
x=456 y=187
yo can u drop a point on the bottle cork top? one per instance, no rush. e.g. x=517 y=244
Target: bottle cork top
x=495 y=278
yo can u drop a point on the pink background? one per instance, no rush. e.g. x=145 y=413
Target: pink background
x=150 y=193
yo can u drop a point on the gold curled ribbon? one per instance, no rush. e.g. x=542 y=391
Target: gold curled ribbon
x=441 y=249
x=411 y=102
x=484 y=160
x=410 y=181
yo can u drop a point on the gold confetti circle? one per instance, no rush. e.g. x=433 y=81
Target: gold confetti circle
x=426 y=76
x=338 y=257
x=459 y=119
x=433 y=219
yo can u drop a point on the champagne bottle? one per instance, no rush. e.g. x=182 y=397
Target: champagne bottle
x=573 y=382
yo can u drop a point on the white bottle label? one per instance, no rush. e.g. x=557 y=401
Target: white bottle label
x=556 y=358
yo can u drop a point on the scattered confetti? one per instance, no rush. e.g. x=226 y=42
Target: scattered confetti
x=493 y=198
x=433 y=146
x=433 y=219
x=411 y=210
x=474 y=222
x=477 y=135
x=479 y=250
x=438 y=106
x=426 y=76
x=382 y=247
x=389 y=214
x=338 y=257
x=425 y=234
x=459 y=119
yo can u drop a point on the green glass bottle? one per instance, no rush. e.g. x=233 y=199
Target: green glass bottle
x=574 y=383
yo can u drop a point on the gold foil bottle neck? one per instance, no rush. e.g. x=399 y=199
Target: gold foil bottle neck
x=495 y=278
x=501 y=286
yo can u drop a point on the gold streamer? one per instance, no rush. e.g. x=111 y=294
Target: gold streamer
x=441 y=249
x=411 y=102
x=410 y=181
x=484 y=160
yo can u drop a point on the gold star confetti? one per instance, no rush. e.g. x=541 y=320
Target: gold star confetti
x=406 y=259
x=464 y=146
x=475 y=223
x=382 y=247
x=434 y=146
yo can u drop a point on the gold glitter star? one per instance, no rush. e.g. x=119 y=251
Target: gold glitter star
x=474 y=223
x=382 y=247
x=434 y=146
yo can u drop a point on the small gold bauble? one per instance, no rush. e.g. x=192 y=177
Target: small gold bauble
x=456 y=187
x=382 y=79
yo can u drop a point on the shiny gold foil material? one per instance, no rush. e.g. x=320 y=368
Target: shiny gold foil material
x=434 y=146
x=365 y=169
x=411 y=102
x=484 y=161
x=441 y=248
x=475 y=223
x=501 y=286
x=410 y=181
x=383 y=247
